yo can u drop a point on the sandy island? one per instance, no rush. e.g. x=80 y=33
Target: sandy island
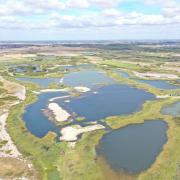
x=82 y=89
x=59 y=113
x=71 y=133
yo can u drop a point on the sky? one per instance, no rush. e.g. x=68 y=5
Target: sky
x=89 y=19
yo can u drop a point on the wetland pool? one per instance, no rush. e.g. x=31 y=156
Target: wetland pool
x=172 y=109
x=88 y=78
x=161 y=84
x=133 y=148
x=43 y=82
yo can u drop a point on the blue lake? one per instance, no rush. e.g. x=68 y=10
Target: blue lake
x=88 y=78
x=116 y=99
x=135 y=147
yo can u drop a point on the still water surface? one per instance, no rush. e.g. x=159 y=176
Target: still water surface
x=135 y=147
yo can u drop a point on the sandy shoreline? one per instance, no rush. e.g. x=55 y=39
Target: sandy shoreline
x=52 y=90
x=14 y=89
x=155 y=75
x=162 y=96
x=70 y=133
x=8 y=149
x=59 y=113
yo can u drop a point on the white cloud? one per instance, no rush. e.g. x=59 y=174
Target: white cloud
x=169 y=8
x=26 y=7
x=109 y=18
x=77 y=4
x=111 y=12
x=163 y=3
x=12 y=14
x=105 y=3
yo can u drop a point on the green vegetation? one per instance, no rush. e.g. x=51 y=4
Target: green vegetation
x=150 y=110
x=2 y=143
x=8 y=98
x=80 y=162
x=119 y=64
x=177 y=120
x=56 y=86
x=2 y=91
x=80 y=118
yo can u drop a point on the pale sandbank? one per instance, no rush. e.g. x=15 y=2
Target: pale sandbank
x=82 y=89
x=70 y=133
x=155 y=75
x=59 y=113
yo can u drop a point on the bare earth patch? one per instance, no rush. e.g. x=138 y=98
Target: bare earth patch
x=13 y=168
x=71 y=133
x=14 y=89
